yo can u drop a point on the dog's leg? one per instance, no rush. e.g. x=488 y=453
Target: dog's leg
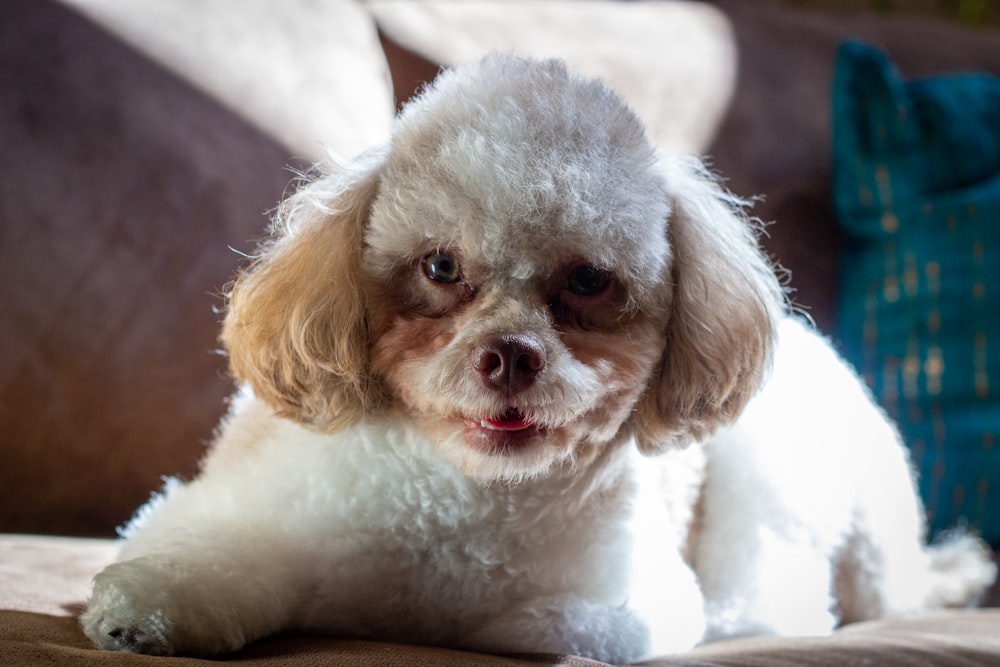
x=765 y=551
x=771 y=585
x=805 y=480
x=191 y=600
x=206 y=567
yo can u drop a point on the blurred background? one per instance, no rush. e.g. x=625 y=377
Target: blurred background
x=972 y=12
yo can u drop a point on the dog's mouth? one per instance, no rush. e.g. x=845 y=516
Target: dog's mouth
x=511 y=420
x=499 y=433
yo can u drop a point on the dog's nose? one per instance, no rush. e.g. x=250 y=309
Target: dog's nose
x=510 y=362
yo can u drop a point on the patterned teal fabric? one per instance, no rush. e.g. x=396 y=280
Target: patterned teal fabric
x=917 y=188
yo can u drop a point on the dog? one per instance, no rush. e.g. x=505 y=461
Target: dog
x=519 y=382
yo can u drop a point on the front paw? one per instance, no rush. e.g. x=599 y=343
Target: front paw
x=132 y=634
x=161 y=606
x=129 y=611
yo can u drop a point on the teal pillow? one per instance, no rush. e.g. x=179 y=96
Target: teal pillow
x=917 y=189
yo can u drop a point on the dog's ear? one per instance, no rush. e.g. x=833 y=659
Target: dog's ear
x=725 y=307
x=296 y=328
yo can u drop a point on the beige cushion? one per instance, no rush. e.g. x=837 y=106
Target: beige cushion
x=674 y=62
x=309 y=72
x=50 y=575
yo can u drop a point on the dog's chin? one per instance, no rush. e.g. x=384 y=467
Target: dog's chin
x=508 y=448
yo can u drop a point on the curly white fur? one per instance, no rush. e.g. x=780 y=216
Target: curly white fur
x=517 y=382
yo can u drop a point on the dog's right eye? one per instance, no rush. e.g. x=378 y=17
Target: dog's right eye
x=588 y=281
x=442 y=267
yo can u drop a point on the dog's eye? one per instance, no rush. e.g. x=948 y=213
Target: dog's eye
x=442 y=267
x=587 y=280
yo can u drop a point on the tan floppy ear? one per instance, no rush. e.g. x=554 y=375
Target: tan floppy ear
x=726 y=304
x=295 y=326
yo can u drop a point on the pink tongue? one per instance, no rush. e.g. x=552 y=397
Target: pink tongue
x=511 y=421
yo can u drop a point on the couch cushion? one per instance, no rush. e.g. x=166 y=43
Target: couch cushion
x=122 y=189
x=50 y=575
x=917 y=188
x=308 y=72
x=673 y=62
x=947 y=639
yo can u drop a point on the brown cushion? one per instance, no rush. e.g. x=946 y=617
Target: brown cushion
x=121 y=192
x=950 y=639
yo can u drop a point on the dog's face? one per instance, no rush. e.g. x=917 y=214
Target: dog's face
x=517 y=252
x=518 y=273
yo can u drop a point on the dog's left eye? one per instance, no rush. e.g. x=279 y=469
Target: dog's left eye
x=587 y=280
x=442 y=267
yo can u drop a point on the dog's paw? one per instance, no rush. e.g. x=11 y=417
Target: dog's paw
x=134 y=635
x=129 y=612
x=162 y=606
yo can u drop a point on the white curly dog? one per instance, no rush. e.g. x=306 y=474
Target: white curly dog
x=518 y=382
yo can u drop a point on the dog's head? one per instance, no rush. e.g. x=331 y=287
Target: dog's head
x=519 y=273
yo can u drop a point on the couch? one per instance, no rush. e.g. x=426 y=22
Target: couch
x=143 y=151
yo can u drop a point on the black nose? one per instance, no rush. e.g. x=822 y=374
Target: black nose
x=510 y=363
